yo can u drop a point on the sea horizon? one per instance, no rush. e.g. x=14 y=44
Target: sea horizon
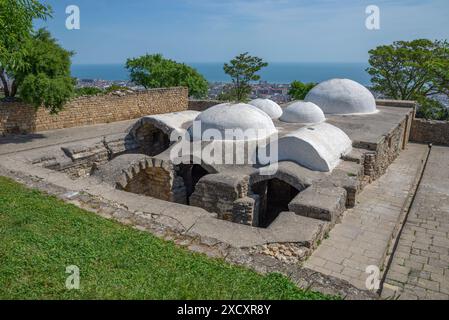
x=276 y=72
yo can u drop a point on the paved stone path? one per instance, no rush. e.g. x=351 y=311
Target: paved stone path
x=420 y=265
x=366 y=231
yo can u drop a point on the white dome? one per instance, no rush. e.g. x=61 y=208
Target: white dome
x=303 y=112
x=268 y=106
x=318 y=147
x=226 y=117
x=342 y=96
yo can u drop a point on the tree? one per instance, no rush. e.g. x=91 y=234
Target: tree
x=16 y=25
x=407 y=70
x=52 y=93
x=432 y=110
x=45 y=79
x=243 y=69
x=154 y=71
x=299 y=90
x=88 y=91
x=411 y=70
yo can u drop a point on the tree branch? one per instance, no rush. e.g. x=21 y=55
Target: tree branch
x=4 y=82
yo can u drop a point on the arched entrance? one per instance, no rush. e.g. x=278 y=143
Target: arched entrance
x=152 y=140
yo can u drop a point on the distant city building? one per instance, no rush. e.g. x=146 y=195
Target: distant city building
x=276 y=92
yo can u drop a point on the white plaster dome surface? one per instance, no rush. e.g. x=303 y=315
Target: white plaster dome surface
x=271 y=108
x=225 y=118
x=342 y=96
x=303 y=112
x=318 y=147
x=167 y=122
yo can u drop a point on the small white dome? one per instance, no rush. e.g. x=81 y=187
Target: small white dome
x=268 y=106
x=342 y=96
x=223 y=118
x=303 y=112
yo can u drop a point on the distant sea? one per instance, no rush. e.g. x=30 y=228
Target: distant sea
x=274 y=73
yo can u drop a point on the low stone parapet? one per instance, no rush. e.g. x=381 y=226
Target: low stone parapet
x=430 y=131
x=201 y=105
x=19 y=117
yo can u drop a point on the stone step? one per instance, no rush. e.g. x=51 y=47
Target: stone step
x=291 y=228
x=320 y=202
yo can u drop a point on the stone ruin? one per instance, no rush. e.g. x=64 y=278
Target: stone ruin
x=329 y=147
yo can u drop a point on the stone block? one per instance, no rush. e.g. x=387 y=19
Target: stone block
x=324 y=203
x=289 y=227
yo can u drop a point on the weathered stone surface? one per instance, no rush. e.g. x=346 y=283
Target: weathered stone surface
x=21 y=118
x=420 y=264
x=236 y=235
x=290 y=227
x=430 y=131
x=244 y=210
x=366 y=231
x=324 y=203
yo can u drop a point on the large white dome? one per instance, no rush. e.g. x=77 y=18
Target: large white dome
x=303 y=112
x=224 y=118
x=342 y=96
x=268 y=106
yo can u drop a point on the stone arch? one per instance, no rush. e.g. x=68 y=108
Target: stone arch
x=152 y=139
x=154 y=178
x=286 y=177
x=162 y=179
x=153 y=133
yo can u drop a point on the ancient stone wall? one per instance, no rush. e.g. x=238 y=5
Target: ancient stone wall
x=215 y=194
x=430 y=131
x=396 y=103
x=388 y=149
x=158 y=183
x=201 y=105
x=17 y=117
x=380 y=155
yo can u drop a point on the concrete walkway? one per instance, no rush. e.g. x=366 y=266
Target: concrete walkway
x=365 y=234
x=420 y=265
x=17 y=143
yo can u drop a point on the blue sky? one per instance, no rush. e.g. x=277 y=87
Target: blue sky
x=216 y=30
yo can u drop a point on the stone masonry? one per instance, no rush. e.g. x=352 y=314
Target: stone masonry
x=16 y=117
x=430 y=131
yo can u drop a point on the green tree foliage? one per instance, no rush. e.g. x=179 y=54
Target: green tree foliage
x=412 y=70
x=32 y=63
x=154 y=71
x=46 y=79
x=88 y=91
x=227 y=94
x=16 y=25
x=299 y=90
x=115 y=87
x=52 y=93
x=432 y=110
x=243 y=69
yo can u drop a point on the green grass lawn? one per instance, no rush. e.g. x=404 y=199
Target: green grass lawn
x=41 y=235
